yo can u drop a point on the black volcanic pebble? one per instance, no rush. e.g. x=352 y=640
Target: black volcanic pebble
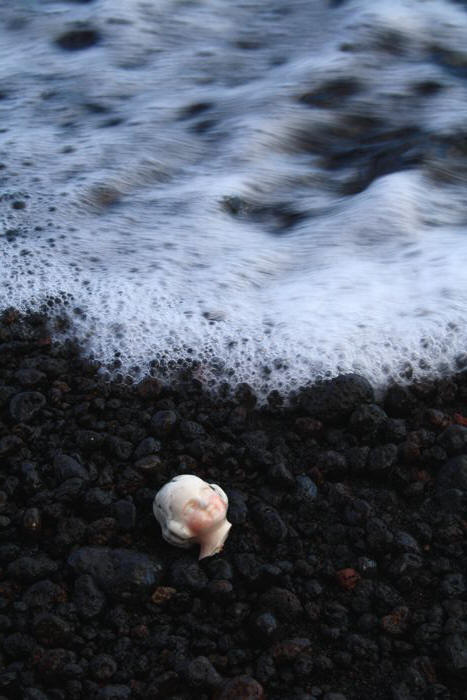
x=200 y=673
x=269 y=522
x=163 y=422
x=25 y=405
x=335 y=399
x=454 y=439
x=78 y=39
x=89 y=600
x=381 y=458
x=67 y=467
x=186 y=574
x=453 y=474
x=28 y=569
x=367 y=421
x=399 y=401
x=121 y=573
x=102 y=667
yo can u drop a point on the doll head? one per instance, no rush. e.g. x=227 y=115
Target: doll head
x=190 y=511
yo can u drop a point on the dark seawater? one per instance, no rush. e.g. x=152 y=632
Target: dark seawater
x=275 y=190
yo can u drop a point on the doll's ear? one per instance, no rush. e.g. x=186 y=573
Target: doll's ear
x=179 y=532
x=220 y=492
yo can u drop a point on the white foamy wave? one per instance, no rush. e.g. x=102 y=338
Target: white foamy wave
x=276 y=193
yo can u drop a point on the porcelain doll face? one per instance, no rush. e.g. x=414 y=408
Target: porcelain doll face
x=190 y=510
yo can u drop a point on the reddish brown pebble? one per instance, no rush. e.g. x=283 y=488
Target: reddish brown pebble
x=348 y=578
x=241 y=688
x=396 y=622
x=289 y=649
x=162 y=594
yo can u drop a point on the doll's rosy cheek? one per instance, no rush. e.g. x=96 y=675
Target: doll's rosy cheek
x=198 y=520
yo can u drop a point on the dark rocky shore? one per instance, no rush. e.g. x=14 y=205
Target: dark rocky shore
x=344 y=576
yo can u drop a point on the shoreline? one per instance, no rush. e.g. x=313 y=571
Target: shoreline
x=343 y=577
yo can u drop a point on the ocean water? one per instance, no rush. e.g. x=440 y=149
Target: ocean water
x=273 y=190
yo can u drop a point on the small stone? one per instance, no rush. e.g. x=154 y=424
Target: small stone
x=282 y=602
x=242 y=688
x=125 y=514
x=200 y=673
x=102 y=667
x=89 y=600
x=455 y=654
x=163 y=422
x=28 y=569
x=264 y=627
x=122 y=573
x=68 y=468
x=289 y=649
x=162 y=595
x=396 y=622
x=381 y=459
x=453 y=439
x=186 y=574
x=453 y=585
x=269 y=522
x=78 y=39
x=32 y=521
x=25 y=405
x=348 y=578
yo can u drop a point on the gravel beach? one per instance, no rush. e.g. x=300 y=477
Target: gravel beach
x=344 y=576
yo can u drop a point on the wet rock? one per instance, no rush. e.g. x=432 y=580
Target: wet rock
x=381 y=459
x=32 y=521
x=186 y=574
x=332 y=464
x=269 y=522
x=242 y=688
x=399 y=401
x=150 y=463
x=455 y=654
x=306 y=490
x=264 y=627
x=347 y=578
x=282 y=602
x=51 y=630
x=453 y=474
x=281 y=476
x=18 y=645
x=125 y=514
x=102 y=667
x=201 y=674
x=453 y=585
x=237 y=512
x=163 y=422
x=10 y=444
x=53 y=663
x=288 y=649
x=78 y=39
x=121 y=449
x=335 y=399
x=28 y=569
x=29 y=377
x=44 y=595
x=367 y=421
x=113 y=692
x=396 y=623
x=25 y=405
x=454 y=439
x=121 y=573
x=89 y=600
x=148 y=446
x=67 y=467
